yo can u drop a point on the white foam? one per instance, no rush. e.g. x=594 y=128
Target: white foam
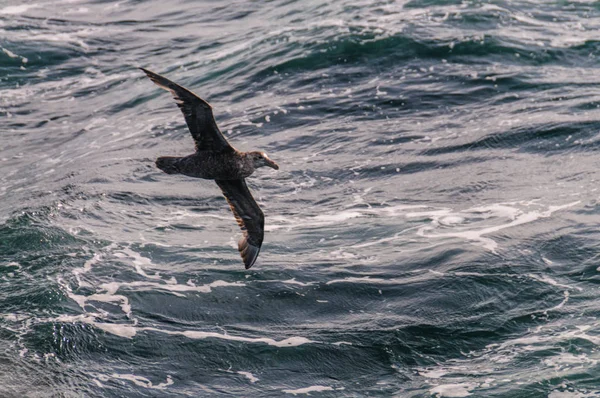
x=459 y=223
x=80 y=10
x=497 y=210
x=173 y=288
x=105 y=298
x=433 y=374
x=249 y=376
x=547 y=261
x=228 y=51
x=566 y=358
x=562 y=303
x=430 y=213
x=341 y=254
x=308 y=390
x=129 y=331
x=20 y=9
x=289 y=223
x=108 y=297
x=87 y=267
x=550 y=281
x=397 y=236
x=14 y=317
x=117 y=329
x=452 y=220
x=54 y=37
x=337 y=218
x=50 y=355
x=13 y=55
x=193 y=334
x=579 y=332
x=489 y=367
x=366 y=279
x=138 y=262
x=452 y=390
x=142 y=381
x=293 y=281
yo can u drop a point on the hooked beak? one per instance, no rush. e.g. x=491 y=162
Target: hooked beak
x=271 y=164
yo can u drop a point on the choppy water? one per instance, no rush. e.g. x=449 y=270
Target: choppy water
x=433 y=229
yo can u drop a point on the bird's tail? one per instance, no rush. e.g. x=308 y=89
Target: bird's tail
x=168 y=164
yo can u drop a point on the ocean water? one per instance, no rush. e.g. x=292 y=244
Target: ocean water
x=433 y=230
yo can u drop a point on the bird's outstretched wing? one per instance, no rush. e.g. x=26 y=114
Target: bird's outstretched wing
x=198 y=115
x=248 y=215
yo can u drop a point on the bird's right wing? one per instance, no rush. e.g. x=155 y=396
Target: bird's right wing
x=198 y=115
x=248 y=215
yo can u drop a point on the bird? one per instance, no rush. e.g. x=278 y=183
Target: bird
x=216 y=160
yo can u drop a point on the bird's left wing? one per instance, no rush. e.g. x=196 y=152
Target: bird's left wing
x=248 y=215
x=198 y=115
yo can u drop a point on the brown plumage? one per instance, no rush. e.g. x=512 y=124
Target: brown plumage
x=215 y=159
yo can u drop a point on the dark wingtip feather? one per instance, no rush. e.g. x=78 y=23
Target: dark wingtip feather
x=158 y=79
x=248 y=252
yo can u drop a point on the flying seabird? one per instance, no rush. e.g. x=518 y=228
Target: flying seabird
x=215 y=159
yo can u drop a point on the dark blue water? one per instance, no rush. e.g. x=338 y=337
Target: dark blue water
x=433 y=229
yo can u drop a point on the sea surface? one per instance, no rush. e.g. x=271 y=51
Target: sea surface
x=433 y=230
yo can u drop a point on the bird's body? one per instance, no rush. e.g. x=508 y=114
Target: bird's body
x=215 y=159
x=209 y=165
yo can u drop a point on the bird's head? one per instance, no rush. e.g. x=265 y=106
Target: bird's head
x=260 y=159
